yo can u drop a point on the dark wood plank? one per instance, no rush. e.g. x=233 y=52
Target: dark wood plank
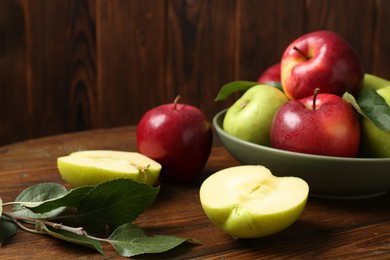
x=201 y=51
x=15 y=99
x=84 y=64
x=266 y=29
x=131 y=54
x=60 y=64
x=380 y=50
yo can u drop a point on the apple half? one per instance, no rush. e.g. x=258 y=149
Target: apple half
x=247 y=201
x=92 y=167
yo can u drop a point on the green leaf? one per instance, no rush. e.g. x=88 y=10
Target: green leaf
x=372 y=106
x=114 y=203
x=375 y=108
x=351 y=99
x=7 y=230
x=129 y=240
x=38 y=193
x=70 y=237
x=71 y=199
x=234 y=86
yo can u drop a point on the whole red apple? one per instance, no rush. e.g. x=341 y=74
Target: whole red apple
x=179 y=137
x=322 y=124
x=321 y=59
x=270 y=74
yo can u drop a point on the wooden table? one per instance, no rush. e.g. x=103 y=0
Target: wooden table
x=327 y=229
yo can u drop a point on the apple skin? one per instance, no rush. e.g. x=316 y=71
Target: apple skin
x=250 y=117
x=374 y=141
x=247 y=201
x=331 y=129
x=179 y=137
x=271 y=74
x=374 y=82
x=325 y=61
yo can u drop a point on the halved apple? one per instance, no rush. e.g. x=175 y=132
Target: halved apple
x=96 y=166
x=247 y=201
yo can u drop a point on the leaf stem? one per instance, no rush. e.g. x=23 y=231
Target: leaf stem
x=18 y=219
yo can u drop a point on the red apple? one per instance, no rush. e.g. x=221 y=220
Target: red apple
x=179 y=137
x=321 y=59
x=270 y=74
x=322 y=124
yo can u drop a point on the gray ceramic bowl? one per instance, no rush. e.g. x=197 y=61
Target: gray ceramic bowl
x=327 y=176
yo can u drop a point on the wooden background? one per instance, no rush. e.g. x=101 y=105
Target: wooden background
x=73 y=65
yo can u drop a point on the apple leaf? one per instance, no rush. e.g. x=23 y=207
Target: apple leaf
x=70 y=237
x=7 y=230
x=351 y=99
x=241 y=85
x=35 y=195
x=129 y=240
x=111 y=205
x=234 y=86
x=114 y=203
x=372 y=106
x=70 y=199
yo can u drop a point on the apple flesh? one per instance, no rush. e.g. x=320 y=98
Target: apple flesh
x=271 y=74
x=248 y=201
x=376 y=142
x=321 y=59
x=322 y=124
x=250 y=117
x=96 y=166
x=179 y=137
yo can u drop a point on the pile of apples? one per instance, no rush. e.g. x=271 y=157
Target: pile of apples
x=308 y=102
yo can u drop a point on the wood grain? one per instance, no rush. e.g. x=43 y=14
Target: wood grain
x=327 y=229
x=76 y=65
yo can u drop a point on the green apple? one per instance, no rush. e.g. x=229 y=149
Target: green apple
x=96 y=166
x=247 y=201
x=374 y=82
x=374 y=141
x=250 y=117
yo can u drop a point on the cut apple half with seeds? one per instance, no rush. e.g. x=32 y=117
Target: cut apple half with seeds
x=248 y=201
x=92 y=167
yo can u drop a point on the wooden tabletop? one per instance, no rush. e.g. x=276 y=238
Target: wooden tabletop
x=327 y=229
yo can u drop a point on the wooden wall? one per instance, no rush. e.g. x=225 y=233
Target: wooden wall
x=72 y=65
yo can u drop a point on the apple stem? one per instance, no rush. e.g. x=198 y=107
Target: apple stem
x=316 y=91
x=301 y=52
x=176 y=101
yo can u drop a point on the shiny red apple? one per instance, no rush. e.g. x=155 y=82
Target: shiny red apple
x=322 y=124
x=321 y=59
x=179 y=137
x=272 y=73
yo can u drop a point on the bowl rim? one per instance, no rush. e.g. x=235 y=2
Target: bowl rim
x=218 y=118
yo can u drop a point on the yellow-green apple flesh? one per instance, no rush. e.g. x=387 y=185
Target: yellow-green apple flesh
x=179 y=137
x=271 y=74
x=92 y=167
x=375 y=141
x=250 y=117
x=324 y=60
x=248 y=201
x=322 y=124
